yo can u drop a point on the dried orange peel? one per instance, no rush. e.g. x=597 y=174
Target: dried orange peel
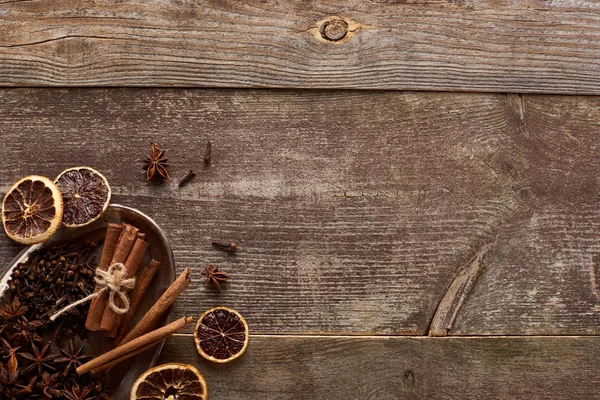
x=32 y=210
x=221 y=335
x=170 y=381
x=86 y=194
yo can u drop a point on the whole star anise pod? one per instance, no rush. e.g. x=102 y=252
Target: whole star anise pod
x=50 y=385
x=9 y=352
x=78 y=393
x=156 y=163
x=39 y=359
x=8 y=376
x=72 y=358
x=24 y=390
x=13 y=310
x=25 y=330
x=9 y=373
x=214 y=276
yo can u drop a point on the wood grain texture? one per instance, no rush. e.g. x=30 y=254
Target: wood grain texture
x=465 y=45
x=354 y=211
x=290 y=368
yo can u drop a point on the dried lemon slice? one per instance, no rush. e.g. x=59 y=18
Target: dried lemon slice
x=85 y=193
x=32 y=210
x=170 y=381
x=221 y=335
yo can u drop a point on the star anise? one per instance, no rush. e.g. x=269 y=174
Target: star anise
x=13 y=310
x=9 y=352
x=25 y=330
x=78 y=393
x=24 y=390
x=156 y=163
x=49 y=385
x=101 y=391
x=214 y=276
x=9 y=373
x=73 y=358
x=40 y=358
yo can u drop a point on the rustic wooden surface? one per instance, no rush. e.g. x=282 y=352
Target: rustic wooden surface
x=466 y=45
x=369 y=222
x=355 y=212
x=394 y=368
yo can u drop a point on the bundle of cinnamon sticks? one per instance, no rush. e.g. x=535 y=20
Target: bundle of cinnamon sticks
x=125 y=244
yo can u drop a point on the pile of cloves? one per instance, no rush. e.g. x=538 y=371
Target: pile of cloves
x=38 y=356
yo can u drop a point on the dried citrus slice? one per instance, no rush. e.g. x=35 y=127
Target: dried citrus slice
x=86 y=195
x=170 y=381
x=221 y=335
x=32 y=210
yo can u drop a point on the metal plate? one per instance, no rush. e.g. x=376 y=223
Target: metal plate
x=122 y=376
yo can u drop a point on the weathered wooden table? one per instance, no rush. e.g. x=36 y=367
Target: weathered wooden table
x=422 y=242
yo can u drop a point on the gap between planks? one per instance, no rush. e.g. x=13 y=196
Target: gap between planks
x=463 y=337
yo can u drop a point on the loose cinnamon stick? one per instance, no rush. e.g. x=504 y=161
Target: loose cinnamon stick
x=121 y=251
x=113 y=232
x=110 y=319
x=106 y=367
x=160 y=307
x=141 y=285
x=129 y=349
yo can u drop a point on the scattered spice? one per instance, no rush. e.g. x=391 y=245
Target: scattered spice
x=214 y=276
x=156 y=163
x=190 y=175
x=208 y=153
x=38 y=357
x=225 y=246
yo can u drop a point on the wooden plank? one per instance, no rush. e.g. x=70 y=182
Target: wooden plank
x=337 y=368
x=465 y=45
x=354 y=211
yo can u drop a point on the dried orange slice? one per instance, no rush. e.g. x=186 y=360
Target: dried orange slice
x=32 y=210
x=170 y=381
x=85 y=193
x=221 y=335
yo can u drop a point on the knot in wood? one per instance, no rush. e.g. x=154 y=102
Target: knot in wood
x=334 y=30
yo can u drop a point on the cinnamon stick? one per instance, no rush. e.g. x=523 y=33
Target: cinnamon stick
x=120 y=252
x=141 y=285
x=106 y=367
x=113 y=232
x=160 y=307
x=110 y=319
x=128 y=350
x=126 y=242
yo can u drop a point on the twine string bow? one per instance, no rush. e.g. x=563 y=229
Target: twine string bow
x=112 y=280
